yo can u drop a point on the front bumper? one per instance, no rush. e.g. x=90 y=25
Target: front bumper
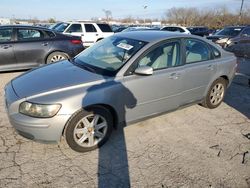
x=41 y=129
x=49 y=129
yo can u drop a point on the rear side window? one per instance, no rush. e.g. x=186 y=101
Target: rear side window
x=90 y=28
x=5 y=35
x=61 y=27
x=216 y=52
x=50 y=34
x=29 y=34
x=74 y=28
x=246 y=32
x=180 y=30
x=168 y=29
x=196 y=51
x=105 y=27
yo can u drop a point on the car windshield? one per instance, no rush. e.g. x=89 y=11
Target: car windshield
x=60 y=28
x=108 y=55
x=230 y=31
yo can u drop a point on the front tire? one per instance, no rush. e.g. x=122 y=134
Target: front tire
x=215 y=94
x=88 y=130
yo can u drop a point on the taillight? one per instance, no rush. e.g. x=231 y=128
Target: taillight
x=76 y=41
x=237 y=65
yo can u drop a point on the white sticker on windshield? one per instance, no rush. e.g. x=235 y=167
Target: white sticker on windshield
x=125 y=46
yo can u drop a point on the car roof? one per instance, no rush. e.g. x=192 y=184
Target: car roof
x=197 y=27
x=173 y=26
x=150 y=35
x=25 y=26
x=235 y=26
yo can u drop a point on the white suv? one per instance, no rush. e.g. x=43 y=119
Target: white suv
x=90 y=32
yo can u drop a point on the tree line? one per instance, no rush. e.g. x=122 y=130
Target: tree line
x=216 y=18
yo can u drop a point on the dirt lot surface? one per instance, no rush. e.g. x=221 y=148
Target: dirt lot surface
x=191 y=147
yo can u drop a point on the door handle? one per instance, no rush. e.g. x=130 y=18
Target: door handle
x=6 y=46
x=96 y=34
x=45 y=44
x=174 y=76
x=210 y=67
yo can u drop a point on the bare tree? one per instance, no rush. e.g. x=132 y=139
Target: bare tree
x=108 y=14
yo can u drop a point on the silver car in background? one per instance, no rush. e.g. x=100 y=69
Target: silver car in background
x=120 y=79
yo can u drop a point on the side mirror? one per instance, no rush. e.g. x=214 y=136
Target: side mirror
x=144 y=70
x=244 y=35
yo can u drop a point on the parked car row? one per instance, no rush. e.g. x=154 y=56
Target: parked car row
x=25 y=47
x=235 y=39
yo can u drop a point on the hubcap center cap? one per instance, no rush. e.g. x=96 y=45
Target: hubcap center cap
x=90 y=129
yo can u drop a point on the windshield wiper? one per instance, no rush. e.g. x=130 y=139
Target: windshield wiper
x=82 y=65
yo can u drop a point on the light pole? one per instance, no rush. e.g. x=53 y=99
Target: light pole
x=145 y=7
x=241 y=8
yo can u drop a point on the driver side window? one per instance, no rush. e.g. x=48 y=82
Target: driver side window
x=163 y=56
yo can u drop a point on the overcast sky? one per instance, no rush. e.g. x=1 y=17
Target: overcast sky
x=87 y=9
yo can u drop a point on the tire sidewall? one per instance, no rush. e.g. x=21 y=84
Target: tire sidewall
x=69 y=130
x=48 y=60
x=207 y=100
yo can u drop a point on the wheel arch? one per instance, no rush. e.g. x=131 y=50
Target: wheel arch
x=107 y=107
x=99 y=39
x=100 y=105
x=225 y=78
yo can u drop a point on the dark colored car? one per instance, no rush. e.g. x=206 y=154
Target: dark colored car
x=54 y=26
x=240 y=45
x=222 y=36
x=24 y=47
x=199 y=30
x=119 y=29
x=234 y=39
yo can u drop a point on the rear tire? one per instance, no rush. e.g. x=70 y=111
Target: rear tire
x=88 y=130
x=56 y=56
x=215 y=94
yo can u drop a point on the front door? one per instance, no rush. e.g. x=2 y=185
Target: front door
x=160 y=91
x=7 y=57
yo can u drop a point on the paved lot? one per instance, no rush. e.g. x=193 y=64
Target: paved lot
x=192 y=147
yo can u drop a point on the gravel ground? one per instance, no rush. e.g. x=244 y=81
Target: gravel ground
x=191 y=147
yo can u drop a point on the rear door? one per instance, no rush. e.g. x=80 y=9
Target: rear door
x=91 y=35
x=200 y=67
x=32 y=47
x=7 y=57
x=105 y=30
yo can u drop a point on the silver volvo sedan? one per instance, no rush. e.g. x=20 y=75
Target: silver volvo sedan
x=119 y=80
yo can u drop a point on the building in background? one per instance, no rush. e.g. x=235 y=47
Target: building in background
x=5 y=21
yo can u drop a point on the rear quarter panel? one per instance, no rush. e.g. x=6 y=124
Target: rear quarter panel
x=226 y=67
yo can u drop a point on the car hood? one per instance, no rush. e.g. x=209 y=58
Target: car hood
x=52 y=77
x=216 y=37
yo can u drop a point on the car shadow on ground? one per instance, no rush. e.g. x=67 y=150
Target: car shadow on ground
x=238 y=94
x=113 y=167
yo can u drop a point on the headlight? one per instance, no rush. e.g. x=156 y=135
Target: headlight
x=229 y=42
x=222 y=40
x=39 y=110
